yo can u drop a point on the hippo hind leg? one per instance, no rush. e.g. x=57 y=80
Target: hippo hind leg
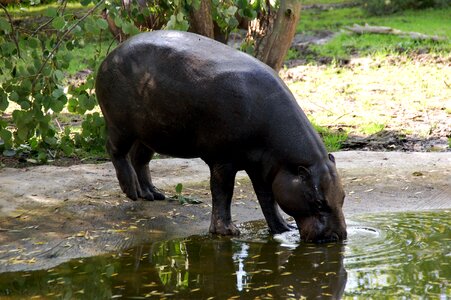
x=118 y=148
x=140 y=156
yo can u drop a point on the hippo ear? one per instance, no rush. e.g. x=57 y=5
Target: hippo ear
x=303 y=172
x=332 y=158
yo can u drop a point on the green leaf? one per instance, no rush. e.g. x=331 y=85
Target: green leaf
x=33 y=43
x=72 y=105
x=180 y=17
x=58 y=105
x=129 y=28
x=42 y=156
x=91 y=26
x=6 y=136
x=179 y=188
x=22 y=133
x=4 y=103
x=4 y=25
x=67 y=148
x=196 y=4
x=25 y=105
x=51 y=12
x=77 y=29
x=50 y=140
x=14 y=96
x=8 y=48
x=232 y=10
x=118 y=21
x=58 y=23
x=102 y=24
x=57 y=93
x=58 y=75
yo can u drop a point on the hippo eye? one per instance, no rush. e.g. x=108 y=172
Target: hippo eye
x=332 y=158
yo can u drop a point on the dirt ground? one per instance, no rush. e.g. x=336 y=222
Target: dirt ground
x=51 y=214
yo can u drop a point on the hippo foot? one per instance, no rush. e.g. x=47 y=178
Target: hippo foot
x=132 y=191
x=147 y=196
x=221 y=228
x=150 y=196
x=150 y=192
x=281 y=227
x=156 y=194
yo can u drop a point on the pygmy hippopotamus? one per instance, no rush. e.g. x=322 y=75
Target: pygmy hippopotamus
x=185 y=95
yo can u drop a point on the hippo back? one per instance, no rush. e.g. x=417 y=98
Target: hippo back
x=170 y=87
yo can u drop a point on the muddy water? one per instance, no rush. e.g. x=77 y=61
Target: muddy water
x=403 y=255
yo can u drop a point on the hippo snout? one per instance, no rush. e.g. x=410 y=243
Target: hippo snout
x=322 y=229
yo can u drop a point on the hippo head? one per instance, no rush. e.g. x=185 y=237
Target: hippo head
x=314 y=197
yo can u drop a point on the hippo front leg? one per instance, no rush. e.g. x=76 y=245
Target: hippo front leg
x=269 y=206
x=222 y=180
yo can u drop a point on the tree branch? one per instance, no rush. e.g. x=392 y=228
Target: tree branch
x=13 y=31
x=60 y=41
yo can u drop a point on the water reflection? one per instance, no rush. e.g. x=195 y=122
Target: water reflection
x=223 y=268
x=391 y=255
x=198 y=267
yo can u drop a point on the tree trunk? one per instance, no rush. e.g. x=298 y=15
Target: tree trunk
x=202 y=20
x=272 y=34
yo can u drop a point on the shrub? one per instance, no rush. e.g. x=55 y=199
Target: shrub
x=383 y=7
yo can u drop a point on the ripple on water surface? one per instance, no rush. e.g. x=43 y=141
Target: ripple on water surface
x=402 y=255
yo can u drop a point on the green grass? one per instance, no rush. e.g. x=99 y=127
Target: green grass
x=345 y=44
x=333 y=19
x=372 y=128
x=333 y=140
x=429 y=21
x=23 y=12
x=309 y=2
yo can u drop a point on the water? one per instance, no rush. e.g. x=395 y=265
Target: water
x=396 y=256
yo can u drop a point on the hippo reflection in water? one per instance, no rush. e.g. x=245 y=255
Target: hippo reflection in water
x=184 y=95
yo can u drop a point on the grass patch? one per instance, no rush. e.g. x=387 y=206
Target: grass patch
x=429 y=21
x=333 y=140
x=33 y=12
x=310 y=2
x=372 y=128
x=333 y=19
x=345 y=44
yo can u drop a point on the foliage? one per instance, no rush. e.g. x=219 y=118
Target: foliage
x=35 y=87
x=384 y=7
x=38 y=63
x=183 y=199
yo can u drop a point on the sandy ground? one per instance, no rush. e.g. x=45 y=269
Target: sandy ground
x=50 y=214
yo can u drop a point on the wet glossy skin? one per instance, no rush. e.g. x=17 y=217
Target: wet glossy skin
x=184 y=95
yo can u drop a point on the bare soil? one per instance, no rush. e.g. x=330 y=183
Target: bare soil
x=51 y=214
